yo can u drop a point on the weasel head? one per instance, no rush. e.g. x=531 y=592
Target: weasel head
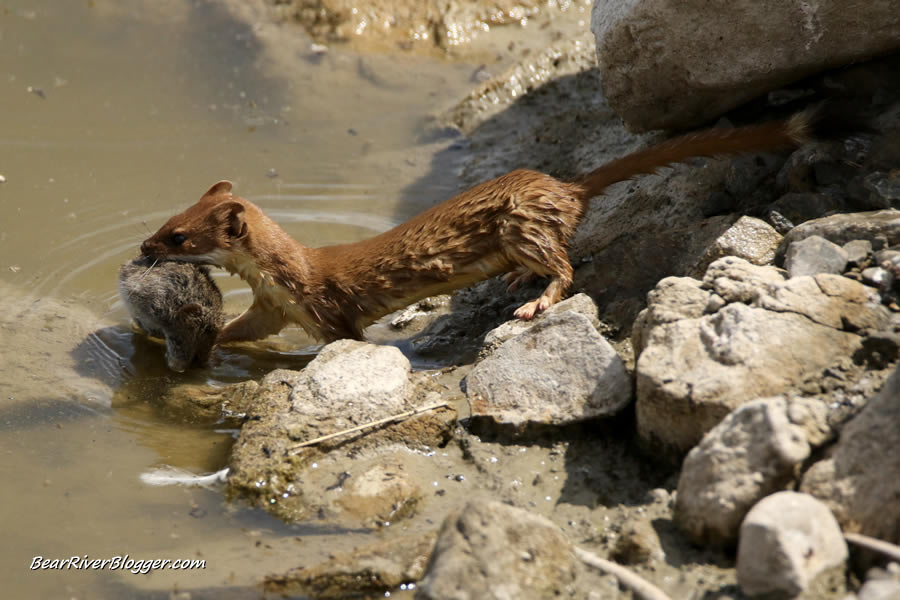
x=204 y=233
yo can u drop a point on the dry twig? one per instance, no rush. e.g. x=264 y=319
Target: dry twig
x=888 y=549
x=641 y=587
x=391 y=419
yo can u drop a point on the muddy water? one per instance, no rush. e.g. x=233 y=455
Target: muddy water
x=113 y=119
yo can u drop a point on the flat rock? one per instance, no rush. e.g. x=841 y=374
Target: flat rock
x=579 y=303
x=787 y=539
x=814 y=255
x=694 y=370
x=752 y=453
x=676 y=65
x=560 y=371
x=491 y=550
x=860 y=480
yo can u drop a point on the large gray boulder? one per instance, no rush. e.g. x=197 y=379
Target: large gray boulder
x=758 y=335
x=673 y=65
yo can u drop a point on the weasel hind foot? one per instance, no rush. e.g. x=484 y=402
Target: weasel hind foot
x=527 y=311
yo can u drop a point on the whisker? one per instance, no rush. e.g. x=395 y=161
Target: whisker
x=150 y=268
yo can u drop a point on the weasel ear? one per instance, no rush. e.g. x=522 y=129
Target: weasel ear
x=222 y=187
x=232 y=215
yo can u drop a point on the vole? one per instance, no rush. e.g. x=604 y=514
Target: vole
x=518 y=224
x=176 y=301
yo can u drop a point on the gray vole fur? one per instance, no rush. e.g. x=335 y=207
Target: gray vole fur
x=176 y=301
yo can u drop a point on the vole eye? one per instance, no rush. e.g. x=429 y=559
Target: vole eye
x=178 y=239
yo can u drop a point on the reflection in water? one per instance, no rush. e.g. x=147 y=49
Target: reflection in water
x=143 y=106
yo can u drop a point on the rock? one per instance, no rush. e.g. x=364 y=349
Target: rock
x=814 y=255
x=672 y=66
x=878 y=226
x=857 y=251
x=441 y=23
x=335 y=392
x=638 y=543
x=881 y=584
x=553 y=63
x=579 y=304
x=884 y=189
x=673 y=299
x=878 y=277
x=490 y=550
x=338 y=393
x=373 y=569
x=749 y=238
x=693 y=371
x=560 y=371
x=787 y=539
x=752 y=453
x=860 y=480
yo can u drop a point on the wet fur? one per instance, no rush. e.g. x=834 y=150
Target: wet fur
x=518 y=224
x=177 y=302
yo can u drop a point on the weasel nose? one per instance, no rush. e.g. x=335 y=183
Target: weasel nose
x=145 y=248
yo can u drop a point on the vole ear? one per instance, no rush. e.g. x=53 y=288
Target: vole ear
x=233 y=216
x=190 y=310
x=222 y=187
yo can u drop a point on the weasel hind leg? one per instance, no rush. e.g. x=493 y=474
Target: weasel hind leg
x=553 y=264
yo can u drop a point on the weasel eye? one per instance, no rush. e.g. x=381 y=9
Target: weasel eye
x=178 y=239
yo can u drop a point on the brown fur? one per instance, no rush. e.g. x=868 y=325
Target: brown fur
x=518 y=224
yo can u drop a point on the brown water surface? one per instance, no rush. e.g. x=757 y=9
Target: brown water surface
x=115 y=116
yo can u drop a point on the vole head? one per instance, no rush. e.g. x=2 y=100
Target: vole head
x=204 y=232
x=193 y=337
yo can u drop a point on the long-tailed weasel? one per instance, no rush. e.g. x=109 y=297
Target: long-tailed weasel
x=518 y=224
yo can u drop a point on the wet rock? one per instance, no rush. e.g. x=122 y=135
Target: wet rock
x=198 y=403
x=694 y=370
x=860 y=480
x=372 y=569
x=880 y=227
x=337 y=391
x=558 y=372
x=787 y=540
x=659 y=73
x=749 y=238
x=417 y=316
x=857 y=251
x=579 y=303
x=443 y=23
x=884 y=189
x=814 y=255
x=752 y=453
x=492 y=550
